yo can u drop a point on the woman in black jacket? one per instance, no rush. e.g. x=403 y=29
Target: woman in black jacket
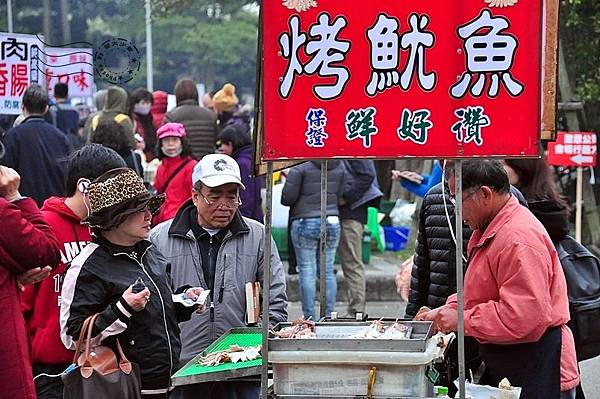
x=125 y=280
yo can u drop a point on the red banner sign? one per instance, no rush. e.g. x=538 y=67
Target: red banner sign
x=573 y=149
x=387 y=79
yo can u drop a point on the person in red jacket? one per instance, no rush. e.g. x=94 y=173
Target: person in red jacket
x=41 y=302
x=174 y=174
x=26 y=243
x=159 y=107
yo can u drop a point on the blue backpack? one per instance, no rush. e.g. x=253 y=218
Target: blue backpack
x=582 y=272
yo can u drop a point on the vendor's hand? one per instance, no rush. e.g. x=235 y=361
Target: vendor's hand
x=32 y=276
x=422 y=310
x=425 y=314
x=9 y=183
x=193 y=293
x=137 y=301
x=447 y=319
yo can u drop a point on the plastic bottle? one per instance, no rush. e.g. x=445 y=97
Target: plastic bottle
x=442 y=392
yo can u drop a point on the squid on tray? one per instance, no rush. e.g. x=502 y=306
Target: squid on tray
x=300 y=329
x=234 y=354
x=377 y=330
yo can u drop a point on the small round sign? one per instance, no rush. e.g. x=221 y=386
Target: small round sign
x=117 y=60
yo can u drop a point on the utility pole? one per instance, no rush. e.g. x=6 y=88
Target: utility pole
x=47 y=20
x=66 y=26
x=150 y=68
x=9 y=16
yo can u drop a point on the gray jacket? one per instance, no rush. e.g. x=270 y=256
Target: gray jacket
x=302 y=190
x=361 y=182
x=240 y=260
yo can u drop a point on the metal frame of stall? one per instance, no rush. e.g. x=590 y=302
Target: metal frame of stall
x=322 y=265
x=548 y=132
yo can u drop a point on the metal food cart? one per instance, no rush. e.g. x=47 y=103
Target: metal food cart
x=337 y=364
x=332 y=364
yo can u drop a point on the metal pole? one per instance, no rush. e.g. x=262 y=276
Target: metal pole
x=323 y=242
x=264 y=381
x=9 y=16
x=459 y=278
x=64 y=16
x=150 y=68
x=578 y=203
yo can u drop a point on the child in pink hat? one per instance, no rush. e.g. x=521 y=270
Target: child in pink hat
x=174 y=174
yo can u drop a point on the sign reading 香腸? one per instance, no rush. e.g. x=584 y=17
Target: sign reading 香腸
x=387 y=79
x=20 y=57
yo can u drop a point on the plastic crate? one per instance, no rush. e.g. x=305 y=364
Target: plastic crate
x=396 y=237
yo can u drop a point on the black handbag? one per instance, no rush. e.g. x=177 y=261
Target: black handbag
x=98 y=373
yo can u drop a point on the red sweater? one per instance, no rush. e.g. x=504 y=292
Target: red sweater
x=41 y=302
x=26 y=242
x=179 y=189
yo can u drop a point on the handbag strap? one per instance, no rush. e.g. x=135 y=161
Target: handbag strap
x=88 y=340
x=82 y=335
x=124 y=363
x=175 y=172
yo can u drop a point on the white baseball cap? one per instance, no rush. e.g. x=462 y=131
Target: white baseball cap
x=214 y=170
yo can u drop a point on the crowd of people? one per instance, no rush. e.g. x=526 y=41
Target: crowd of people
x=113 y=243
x=105 y=228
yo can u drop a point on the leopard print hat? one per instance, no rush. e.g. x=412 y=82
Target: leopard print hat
x=117 y=194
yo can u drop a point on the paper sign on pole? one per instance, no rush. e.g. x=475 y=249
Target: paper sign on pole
x=73 y=66
x=573 y=149
x=385 y=79
x=19 y=66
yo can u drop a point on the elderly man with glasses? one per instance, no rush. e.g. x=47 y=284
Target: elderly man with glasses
x=211 y=245
x=515 y=293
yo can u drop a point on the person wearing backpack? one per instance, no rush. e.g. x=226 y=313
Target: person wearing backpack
x=65 y=117
x=116 y=108
x=534 y=178
x=174 y=174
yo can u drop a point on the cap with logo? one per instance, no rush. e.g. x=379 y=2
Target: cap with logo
x=214 y=170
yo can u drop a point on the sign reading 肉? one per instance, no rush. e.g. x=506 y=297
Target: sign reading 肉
x=19 y=57
x=387 y=78
x=573 y=149
x=72 y=66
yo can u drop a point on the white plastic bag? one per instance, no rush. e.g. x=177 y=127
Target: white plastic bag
x=402 y=213
x=280 y=212
x=474 y=391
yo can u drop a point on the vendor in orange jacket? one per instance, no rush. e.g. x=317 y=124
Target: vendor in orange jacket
x=515 y=293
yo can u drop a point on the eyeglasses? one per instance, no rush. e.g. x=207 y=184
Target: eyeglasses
x=229 y=202
x=464 y=199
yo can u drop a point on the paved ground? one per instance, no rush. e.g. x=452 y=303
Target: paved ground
x=590 y=369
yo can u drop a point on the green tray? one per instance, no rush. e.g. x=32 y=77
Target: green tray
x=194 y=372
